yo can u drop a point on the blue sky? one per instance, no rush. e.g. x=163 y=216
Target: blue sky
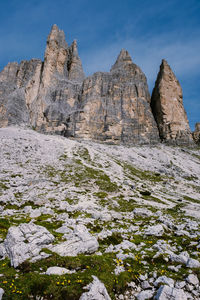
x=149 y=29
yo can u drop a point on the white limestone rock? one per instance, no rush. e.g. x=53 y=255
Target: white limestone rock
x=168 y=293
x=97 y=291
x=182 y=258
x=164 y=280
x=58 y=271
x=145 y=295
x=156 y=230
x=2 y=251
x=125 y=245
x=25 y=242
x=142 y=212
x=192 y=279
x=193 y=263
x=79 y=241
x=1 y=293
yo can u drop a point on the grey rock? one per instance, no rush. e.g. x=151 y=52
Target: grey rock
x=192 y=279
x=143 y=212
x=1 y=293
x=181 y=258
x=180 y=284
x=156 y=230
x=168 y=293
x=145 y=295
x=97 y=291
x=58 y=271
x=193 y=263
x=25 y=242
x=196 y=133
x=3 y=252
x=79 y=241
x=145 y=285
x=165 y=280
x=53 y=96
x=167 y=107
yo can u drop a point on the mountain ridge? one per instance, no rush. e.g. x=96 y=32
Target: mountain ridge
x=54 y=96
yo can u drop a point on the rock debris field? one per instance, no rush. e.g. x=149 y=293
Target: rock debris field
x=84 y=220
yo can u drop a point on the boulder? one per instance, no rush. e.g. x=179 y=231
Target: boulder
x=25 y=242
x=58 y=271
x=145 y=295
x=192 y=279
x=78 y=241
x=167 y=293
x=164 y=280
x=156 y=230
x=96 y=291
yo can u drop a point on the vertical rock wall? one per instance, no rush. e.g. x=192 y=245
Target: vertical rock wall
x=167 y=107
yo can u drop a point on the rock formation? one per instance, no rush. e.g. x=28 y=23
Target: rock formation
x=54 y=96
x=167 y=107
x=115 y=106
x=196 y=133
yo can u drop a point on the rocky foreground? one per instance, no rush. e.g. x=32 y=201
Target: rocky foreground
x=84 y=220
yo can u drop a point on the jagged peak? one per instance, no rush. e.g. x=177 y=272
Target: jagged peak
x=74 y=64
x=74 y=48
x=123 y=60
x=164 y=65
x=57 y=35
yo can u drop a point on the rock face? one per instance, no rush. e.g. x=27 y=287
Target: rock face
x=167 y=107
x=115 y=106
x=196 y=133
x=54 y=96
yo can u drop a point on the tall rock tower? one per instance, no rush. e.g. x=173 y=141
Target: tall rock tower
x=115 y=106
x=167 y=108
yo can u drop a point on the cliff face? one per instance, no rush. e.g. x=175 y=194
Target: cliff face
x=54 y=96
x=114 y=107
x=167 y=107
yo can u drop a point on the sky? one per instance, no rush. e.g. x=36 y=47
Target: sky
x=149 y=29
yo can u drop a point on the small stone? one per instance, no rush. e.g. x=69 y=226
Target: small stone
x=192 y=279
x=145 y=285
x=145 y=295
x=180 y=284
x=143 y=277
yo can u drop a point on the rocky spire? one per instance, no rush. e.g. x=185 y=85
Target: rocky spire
x=123 y=60
x=75 y=66
x=167 y=107
x=56 y=56
x=196 y=133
